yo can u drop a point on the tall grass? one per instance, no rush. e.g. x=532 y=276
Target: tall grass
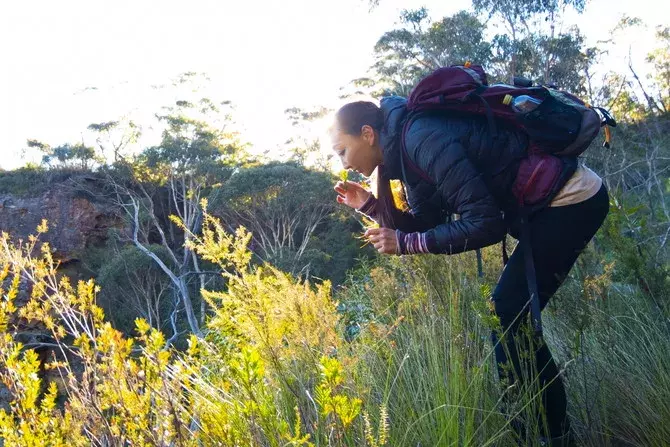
x=435 y=370
x=401 y=355
x=618 y=345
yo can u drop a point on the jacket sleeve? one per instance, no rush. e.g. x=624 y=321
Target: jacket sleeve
x=420 y=218
x=463 y=191
x=426 y=212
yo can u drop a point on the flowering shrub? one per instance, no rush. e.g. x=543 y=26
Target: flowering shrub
x=266 y=372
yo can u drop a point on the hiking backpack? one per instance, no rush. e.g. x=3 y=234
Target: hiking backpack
x=560 y=127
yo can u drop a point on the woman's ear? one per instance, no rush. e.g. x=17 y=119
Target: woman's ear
x=368 y=134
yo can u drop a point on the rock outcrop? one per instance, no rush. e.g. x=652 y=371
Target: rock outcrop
x=76 y=220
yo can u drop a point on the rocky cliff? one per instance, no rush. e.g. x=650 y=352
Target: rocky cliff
x=76 y=220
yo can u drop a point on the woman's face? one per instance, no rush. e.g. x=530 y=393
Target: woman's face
x=360 y=153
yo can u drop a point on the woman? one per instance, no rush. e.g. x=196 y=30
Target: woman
x=464 y=176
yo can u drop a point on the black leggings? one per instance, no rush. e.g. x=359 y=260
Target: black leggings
x=558 y=235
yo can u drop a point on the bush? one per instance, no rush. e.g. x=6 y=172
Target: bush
x=280 y=365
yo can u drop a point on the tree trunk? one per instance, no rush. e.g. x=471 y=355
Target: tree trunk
x=178 y=281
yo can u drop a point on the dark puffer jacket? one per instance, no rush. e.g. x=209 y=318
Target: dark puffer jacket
x=468 y=177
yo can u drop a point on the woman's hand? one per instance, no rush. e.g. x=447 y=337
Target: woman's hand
x=351 y=194
x=384 y=240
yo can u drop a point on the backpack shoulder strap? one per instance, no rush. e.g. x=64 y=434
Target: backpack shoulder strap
x=404 y=156
x=492 y=135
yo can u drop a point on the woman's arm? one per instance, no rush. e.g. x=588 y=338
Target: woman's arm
x=464 y=192
x=419 y=218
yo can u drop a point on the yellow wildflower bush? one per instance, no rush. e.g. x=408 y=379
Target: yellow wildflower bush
x=268 y=370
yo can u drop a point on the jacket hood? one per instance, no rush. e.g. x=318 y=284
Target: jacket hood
x=395 y=111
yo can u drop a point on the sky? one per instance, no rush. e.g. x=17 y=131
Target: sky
x=68 y=63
